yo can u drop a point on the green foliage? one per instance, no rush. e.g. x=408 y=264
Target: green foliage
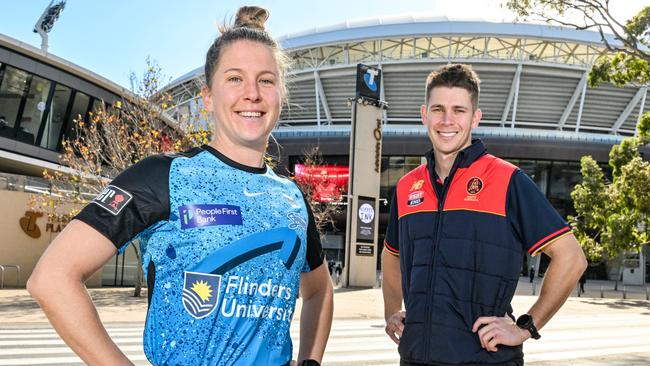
x=643 y=128
x=639 y=27
x=622 y=154
x=614 y=217
x=628 y=61
x=620 y=70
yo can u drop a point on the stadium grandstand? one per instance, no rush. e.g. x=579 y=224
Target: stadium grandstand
x=538 y=111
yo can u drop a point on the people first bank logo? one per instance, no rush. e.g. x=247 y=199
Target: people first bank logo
x=193 y=216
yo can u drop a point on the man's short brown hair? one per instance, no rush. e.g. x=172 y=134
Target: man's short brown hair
x=455 y=75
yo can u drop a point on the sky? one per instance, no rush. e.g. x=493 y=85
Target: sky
x=114 y=38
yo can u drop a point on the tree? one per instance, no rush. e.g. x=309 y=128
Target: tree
x=324 y=211
x=111 y=140
x=614 y=217
x=629 y=58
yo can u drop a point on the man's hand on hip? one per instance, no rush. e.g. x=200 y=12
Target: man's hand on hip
x=494 y=330
x=395 y=326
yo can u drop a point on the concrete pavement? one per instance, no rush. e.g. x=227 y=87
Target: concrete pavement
x=117 y=305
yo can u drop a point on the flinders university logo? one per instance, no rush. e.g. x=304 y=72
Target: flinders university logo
x=201 y=293
x=202 y=284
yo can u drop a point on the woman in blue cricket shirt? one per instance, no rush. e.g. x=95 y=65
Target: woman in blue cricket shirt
x=227 y=244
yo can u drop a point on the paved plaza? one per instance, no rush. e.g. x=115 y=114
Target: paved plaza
x=588 y=331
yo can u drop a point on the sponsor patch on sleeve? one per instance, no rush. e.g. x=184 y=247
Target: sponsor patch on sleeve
x=113 y=199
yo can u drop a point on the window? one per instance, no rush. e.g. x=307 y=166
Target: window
x=12 y=90
x=79 y=110
x=55 y=118
x=34 y=110
x=392 y=169
x=537 y=171
x=98 y=105
x=564 y=177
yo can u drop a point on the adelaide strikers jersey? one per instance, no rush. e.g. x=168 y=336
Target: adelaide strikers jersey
x=223 y=246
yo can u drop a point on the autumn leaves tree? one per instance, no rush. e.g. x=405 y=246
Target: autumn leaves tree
x=109 y=140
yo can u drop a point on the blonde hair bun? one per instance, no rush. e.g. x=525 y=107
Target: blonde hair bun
x=251 y=17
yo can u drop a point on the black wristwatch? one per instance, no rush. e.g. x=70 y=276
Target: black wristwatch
x=309 y=362
x=525 y=321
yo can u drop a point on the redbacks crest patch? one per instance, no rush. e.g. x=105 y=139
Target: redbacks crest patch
x=113 y=199
x=474 y=186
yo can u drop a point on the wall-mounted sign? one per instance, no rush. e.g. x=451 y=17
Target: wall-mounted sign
x=368 y=82
x=326 y=182
x=366 y=219
x=56 y=223
x=28 y=224
x=365 y=249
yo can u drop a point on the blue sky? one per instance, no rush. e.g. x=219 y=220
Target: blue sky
x=114 y=38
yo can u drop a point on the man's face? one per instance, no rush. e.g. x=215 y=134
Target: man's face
x=450 y=118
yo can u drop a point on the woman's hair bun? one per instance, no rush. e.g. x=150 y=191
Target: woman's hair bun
x=251 y=17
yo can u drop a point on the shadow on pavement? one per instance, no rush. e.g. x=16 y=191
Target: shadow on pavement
x=17 y=303
x=619 y=304
x=118 y=297
x=342 y=290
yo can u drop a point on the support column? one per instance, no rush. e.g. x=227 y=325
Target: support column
x=363 y=185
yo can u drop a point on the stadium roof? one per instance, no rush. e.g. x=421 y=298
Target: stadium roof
x=426 y=25
x=534 y=76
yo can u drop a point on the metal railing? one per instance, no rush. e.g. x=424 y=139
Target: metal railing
x=3 y=267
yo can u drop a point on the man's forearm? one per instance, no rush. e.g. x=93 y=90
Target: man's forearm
x=315 y=325
x=559 y=280
x=391 y=286
x=73 y=315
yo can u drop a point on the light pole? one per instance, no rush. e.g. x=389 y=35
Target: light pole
x=46 y=21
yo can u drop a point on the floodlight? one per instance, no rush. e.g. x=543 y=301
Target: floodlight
x=46 y=22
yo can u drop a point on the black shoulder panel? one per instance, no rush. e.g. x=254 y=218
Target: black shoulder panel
x=136 y=199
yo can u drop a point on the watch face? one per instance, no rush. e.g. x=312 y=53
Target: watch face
x=524 y=321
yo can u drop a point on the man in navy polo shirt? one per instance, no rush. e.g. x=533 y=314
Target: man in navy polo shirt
x=458 y=229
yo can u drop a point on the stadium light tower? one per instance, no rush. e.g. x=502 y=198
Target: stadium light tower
x=46 y=21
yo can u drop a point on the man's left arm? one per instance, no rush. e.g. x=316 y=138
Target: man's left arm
x=539 y=228
x=567 y=264
x=316 y=315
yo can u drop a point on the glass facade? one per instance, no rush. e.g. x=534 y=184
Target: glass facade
x=12 y=91
x=392 y=169
x=34 y=110
x=37 y=111
x=56 y=117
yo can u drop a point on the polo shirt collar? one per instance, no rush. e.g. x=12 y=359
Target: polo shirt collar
x=465 y=157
